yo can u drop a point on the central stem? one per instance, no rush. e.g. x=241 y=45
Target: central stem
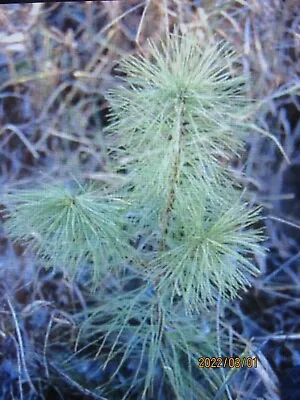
x=174 y=177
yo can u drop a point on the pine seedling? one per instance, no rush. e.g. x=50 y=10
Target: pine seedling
x=174 y=127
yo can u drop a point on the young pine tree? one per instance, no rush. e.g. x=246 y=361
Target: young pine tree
x=174 y=126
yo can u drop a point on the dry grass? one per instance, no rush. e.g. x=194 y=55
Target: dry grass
x=56 y=62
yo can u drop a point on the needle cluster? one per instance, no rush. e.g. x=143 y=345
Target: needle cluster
x=69 y=226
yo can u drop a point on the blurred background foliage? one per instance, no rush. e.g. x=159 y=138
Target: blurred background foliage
x=57 y=60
